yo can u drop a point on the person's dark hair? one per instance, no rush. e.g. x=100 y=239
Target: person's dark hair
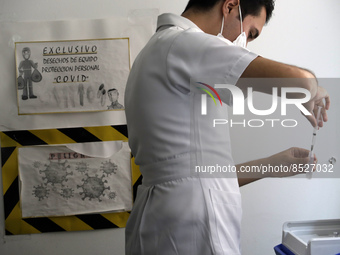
x=248 y=7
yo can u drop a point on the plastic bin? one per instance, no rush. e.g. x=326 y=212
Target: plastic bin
x=318 y=237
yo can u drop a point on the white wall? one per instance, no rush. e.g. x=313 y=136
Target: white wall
x=303 y=33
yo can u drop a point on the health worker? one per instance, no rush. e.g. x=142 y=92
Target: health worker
x=177 y=210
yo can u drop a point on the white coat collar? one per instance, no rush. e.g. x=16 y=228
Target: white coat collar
x=168 y=20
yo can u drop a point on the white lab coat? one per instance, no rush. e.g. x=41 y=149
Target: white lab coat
x=177 y=210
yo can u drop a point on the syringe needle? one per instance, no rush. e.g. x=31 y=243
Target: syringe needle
x=311 y=154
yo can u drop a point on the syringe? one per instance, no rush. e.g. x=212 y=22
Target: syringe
x=316 y=127
x=311 y=154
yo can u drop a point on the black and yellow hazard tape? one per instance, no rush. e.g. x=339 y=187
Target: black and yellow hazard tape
x=12 y=140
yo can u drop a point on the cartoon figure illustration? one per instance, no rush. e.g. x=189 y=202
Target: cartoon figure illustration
x=71 y=94
x=56 y=96
x=113 y=95
x=100 y=90
x=101 y=93
x=90 y=94
x=81 y=92
x=65 y=93
x=25 y=69
x=103 y=97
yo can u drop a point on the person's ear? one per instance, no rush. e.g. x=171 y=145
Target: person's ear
x=229 y=5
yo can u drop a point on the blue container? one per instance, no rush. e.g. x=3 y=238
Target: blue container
x=282 y=250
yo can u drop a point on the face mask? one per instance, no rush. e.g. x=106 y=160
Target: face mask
x=241 y=40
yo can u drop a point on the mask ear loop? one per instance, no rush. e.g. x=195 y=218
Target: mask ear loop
x=222 y=25
x=239 y=8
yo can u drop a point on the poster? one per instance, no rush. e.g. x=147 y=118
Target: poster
x=138 y=27
x=71 y=76
x=75 y=179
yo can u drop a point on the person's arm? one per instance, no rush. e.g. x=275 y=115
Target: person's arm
x=262 y=67
x=283 y=75
x=276 y=71
x=286 y=163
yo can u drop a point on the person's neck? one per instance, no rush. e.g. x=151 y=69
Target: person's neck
x=209 y=22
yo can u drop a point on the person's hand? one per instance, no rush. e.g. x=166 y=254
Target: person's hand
x=321 y=99
x=295 y=159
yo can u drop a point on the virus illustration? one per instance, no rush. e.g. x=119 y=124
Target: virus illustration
x=82 y=167
x=112 y=195
x=109 y=167
x=40 y=192
x=93 y=187
x=37 y=164
x=56 y=173
x=67 y=193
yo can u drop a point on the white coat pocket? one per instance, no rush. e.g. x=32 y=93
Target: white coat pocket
x=225 y=215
